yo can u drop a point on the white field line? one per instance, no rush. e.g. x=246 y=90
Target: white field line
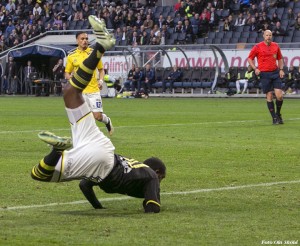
x=163 y=194
x=154 y=125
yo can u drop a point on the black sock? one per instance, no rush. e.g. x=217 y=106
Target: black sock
x=99 y=47
x=278 y=106
x=52 y=158
x=86 y=69
x=271 y=109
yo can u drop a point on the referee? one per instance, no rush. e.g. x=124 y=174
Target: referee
x=270 y=72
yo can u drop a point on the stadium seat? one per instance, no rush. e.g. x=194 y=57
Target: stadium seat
x=246 y=29
x=287 y=39
x=220 y=34
x=187 y=73
x=200 y=41
x=166 y=72
x=290 y=4
x=172 y=14
x=167 y=9
x=239 y=29
x=251 y=40
x=211 y=35
x=228 y=34
x=174 y=36
x=159 y=74
x=234 y=40
x=79 y=24
x=158 y=9
x=246 y=34
x=296 y=39
x=157 y=14
x=170 y=41
x=226 y=40
x=209 y=40
x=279 y=12
x=196 y=74
x=225 y=13
x=217 y=41
x=205 y=74
x=278 y=39
x=58 y=6
x=72 y=25
x=285 y=24
x=235 y=7
x=296 y=33
x=236 y=34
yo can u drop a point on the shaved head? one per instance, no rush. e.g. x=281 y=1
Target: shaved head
x=267 y=37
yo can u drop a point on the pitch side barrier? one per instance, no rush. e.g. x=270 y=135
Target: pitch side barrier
x=162 y=58
x=208 y=63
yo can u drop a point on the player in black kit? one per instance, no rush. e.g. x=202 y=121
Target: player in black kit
x=132 y=178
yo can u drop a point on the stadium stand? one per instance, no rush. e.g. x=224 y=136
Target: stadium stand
x=118 y=14
x=21 y=23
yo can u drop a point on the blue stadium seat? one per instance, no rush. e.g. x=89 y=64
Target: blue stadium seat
x=170 y=41
x=287 y=39
x=242 y=40
x=278 y=39
x=220 y=34
x=234 y=40
x=158 y=9
x=217 y=41
x=228 y=34
x=246 y=34
x=296 y=39
x=226 y=40
x=208 y=40
x=211 y=35
x=200 y=40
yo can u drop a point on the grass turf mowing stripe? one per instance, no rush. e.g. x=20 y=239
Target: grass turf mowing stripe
x=161 y=125
x=164 y=193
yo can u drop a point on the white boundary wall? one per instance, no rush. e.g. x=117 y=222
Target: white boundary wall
x=118 y=66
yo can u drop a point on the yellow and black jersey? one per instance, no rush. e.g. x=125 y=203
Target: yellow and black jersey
x=128 y=177
x=74 y=59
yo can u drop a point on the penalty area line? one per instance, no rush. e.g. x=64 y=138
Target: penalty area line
x=226 y=188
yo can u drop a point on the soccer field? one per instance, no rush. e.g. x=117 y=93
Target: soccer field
x=232 y=177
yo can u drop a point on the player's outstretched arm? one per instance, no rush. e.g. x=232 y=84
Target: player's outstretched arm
x=86 y=187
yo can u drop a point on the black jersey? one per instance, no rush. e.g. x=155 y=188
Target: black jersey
x=128 y=177
x=132 y=178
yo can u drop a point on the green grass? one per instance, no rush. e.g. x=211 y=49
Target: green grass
x=206 y=144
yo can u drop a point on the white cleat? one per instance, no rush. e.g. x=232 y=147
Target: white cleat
x=103 y=37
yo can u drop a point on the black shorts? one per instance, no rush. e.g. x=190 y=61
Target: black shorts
x=138 y=180
x=270 y=81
